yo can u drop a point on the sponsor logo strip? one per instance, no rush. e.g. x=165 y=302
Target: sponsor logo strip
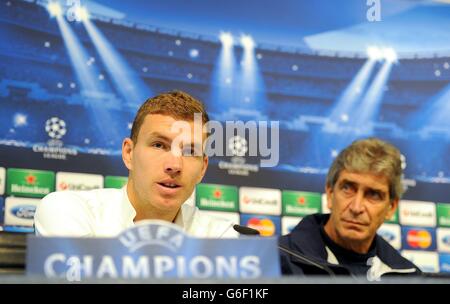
x=29 y=183
x=296 y=203
x=217 y=197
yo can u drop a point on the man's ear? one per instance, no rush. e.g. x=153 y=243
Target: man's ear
x=329 y=192
x=127 y=152
x=393 y=205
x=205 y=166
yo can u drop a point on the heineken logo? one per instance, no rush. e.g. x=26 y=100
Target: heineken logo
x=301 y=200
x=30 y=179
x=217 y=194
x=297 y=203
x=27 y=182
x=216 y=197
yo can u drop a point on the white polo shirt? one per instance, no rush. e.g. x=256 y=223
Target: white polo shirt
x=107 y=212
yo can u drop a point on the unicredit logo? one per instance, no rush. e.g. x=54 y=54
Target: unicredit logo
x=419 y=239
x=259 y=201
x=417 y=213
x=24 y=211
x=73 y=186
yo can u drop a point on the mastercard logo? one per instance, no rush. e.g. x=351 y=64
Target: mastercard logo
x=265 y=226
x=419 y=239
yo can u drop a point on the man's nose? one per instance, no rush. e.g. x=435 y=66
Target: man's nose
x=357 y=204
x=173 y=163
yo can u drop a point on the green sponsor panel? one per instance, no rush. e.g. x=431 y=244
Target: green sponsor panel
x=298 y=203
x=115 y=181
x=29 y=183
x=443 y=215
x=393 y=219
x=217 y=197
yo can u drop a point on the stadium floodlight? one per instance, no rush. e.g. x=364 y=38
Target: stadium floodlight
x=390 y=54
x=247 y=42
x=374 y=53
x=20 y=120
x=82 y=14
x=227 y=39
x=193 y=53
x=54 y=9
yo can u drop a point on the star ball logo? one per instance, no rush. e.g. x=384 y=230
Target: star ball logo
x=238 y=146
x=55 y=128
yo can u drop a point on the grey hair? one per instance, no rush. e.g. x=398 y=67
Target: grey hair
x=370 y=155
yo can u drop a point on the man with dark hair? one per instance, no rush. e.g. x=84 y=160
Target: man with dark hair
x=165 y=159
x=363 y=188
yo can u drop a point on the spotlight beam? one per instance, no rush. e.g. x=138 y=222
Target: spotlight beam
x=352 y=92
x=370 y=104
x=129 y=85
x=225 y=72
x=78 y=57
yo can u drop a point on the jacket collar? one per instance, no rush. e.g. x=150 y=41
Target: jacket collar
x=306 y=238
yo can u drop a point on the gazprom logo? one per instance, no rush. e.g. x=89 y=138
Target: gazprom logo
x=387 y=235
x=153 y=232
x=446 y=240
x=24 y=211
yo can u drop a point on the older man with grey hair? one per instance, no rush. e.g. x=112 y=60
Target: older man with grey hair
x=363 y=188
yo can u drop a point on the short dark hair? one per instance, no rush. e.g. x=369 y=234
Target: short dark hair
x=177 y=104
x=370 y=155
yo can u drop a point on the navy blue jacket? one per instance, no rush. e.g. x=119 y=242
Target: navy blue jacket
x=306 y=240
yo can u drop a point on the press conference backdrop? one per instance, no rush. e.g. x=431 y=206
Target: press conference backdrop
x=69 y=90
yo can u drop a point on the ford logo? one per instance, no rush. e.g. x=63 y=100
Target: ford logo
x=387 y=235
x=24 y=211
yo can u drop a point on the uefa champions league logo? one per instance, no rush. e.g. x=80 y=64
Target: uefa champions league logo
x=55 y=128
x=238 y=146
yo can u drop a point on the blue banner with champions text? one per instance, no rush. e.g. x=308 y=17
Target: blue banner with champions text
x=155 y=249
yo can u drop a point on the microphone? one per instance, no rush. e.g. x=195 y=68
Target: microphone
x=306 y=260
x=245 y=230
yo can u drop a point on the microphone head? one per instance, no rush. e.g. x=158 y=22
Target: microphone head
x=245 y=230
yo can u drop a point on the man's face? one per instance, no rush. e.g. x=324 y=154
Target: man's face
x=163 y=175
x=359 y=204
